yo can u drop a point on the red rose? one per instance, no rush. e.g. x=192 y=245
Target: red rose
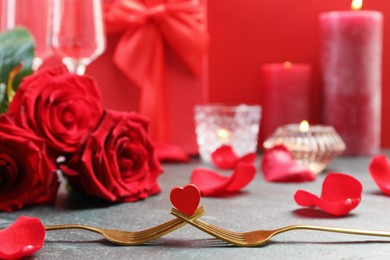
x=27 y=176
x=61 y=108
x=118 y=162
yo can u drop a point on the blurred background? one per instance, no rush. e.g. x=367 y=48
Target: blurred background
x=246 y=34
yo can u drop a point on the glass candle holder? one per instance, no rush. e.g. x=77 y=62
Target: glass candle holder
x=217 y=125
x=311 y=146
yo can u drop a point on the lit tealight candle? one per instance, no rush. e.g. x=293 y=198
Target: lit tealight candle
x=223 y=135
x=304 y=126
x=287 y=65
x=218 y=125
x=311 y=146
x=356 y=4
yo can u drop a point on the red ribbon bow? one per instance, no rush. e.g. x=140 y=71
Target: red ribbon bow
x=149 y=27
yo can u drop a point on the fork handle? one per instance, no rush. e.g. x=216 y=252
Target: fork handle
x=365 y=232
x=72 y=226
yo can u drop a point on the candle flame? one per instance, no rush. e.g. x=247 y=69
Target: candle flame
x=304 y=126
x=223 y=134
x=287 y=65
x=357 y=4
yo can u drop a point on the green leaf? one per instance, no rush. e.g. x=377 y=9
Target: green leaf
x=3 y=88
x=16 y=47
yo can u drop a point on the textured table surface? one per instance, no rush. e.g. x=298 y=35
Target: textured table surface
x=261 y=205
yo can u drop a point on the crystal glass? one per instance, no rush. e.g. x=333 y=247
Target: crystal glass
x=217 y=125
x=313 y=147
x=34 y=16
x=77 y=32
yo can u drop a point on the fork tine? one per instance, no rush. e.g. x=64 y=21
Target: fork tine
x=216 y=230
x=226 y=232
x=167 y=225
x=153 y=230
x=160 y=230
x=222 y=232
x=226 y=235
x=147 y=233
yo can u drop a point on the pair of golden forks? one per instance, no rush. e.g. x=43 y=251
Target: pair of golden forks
x=251 y=238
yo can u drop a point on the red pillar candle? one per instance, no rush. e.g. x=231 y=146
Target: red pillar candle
x=286 y=95
x=351 y=65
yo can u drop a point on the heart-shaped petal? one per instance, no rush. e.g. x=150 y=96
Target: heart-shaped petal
x=225 y=158
x=278 y=165
x=341 y=193
x=22 y=238
x=185 y=199
x=380 y=172
x=211 y=183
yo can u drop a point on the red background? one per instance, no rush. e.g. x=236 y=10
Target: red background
x=248 y=33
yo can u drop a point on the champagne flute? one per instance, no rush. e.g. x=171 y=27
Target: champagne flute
x=77 y=32
x=35 y=17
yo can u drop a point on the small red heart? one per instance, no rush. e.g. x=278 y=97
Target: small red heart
x=186 y=199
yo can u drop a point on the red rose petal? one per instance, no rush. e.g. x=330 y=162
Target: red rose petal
x=208 y=181
x=278 y=165
x=225 y=158
x=380 y=172
x=248 y=158
x=304 y=198
x=211 y=183
x=241 y=177
x=341 y=193
x=22 y=238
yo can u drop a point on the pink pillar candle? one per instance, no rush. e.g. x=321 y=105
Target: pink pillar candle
x=351 y=59
x=286 y=95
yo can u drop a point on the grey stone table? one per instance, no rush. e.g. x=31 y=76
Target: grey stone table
x=261 y=205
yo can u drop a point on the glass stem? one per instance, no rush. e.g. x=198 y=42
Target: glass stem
x=80 y=69
x=10 y=17
x=37 y=62
x=75 y=66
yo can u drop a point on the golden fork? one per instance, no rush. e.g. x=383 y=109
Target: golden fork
x=127 y=238
x=259 y=237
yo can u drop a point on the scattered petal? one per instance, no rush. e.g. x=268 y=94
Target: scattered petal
x=225 y=158
x=278 y=165
x=211 y=183
x=22 y=238
x=248 y=158
x=380 y=172
x=341 y=193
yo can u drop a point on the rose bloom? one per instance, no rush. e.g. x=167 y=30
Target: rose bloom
x=27 y=176
x=118 y=162
x=61 y=108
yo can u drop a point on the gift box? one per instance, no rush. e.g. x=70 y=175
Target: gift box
x=155 y=63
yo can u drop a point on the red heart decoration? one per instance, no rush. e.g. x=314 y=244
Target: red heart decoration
x=186 y=199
